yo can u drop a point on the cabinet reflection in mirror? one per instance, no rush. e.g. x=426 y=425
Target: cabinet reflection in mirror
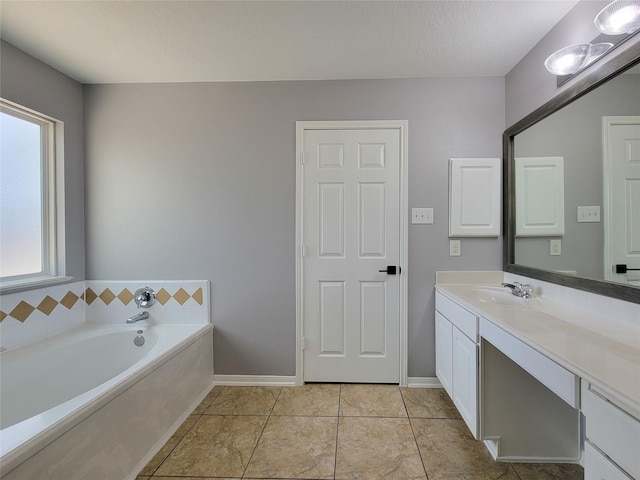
x=579 y=133
x=597 y=137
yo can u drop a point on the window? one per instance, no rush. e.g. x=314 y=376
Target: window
x=30 y=202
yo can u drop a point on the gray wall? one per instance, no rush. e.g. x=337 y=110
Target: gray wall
x=198 y=181
x=529 y=85
x=575 y=132
x=32 y=84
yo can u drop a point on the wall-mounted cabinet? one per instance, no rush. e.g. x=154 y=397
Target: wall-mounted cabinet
x=474 y=197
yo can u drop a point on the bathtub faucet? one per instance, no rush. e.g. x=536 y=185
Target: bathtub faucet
x=137 y=317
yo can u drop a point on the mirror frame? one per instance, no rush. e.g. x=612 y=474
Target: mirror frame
x=602 y=73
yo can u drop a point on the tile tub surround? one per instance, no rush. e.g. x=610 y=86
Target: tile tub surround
x=177 y=301
x=33 y=315
x=318 y=431
x=29 y=316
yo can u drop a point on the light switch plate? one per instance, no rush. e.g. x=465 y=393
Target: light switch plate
x=589 y=214
x=454 y=248
x=555 y=247
x=421 y=216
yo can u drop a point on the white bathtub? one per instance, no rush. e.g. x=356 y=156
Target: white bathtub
x=89 y=404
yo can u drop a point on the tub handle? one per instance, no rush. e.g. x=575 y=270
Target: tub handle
x=145 y=297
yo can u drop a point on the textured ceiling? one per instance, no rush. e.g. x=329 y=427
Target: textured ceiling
x=198 y=41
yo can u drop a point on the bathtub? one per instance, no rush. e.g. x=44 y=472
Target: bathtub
x=89 y=404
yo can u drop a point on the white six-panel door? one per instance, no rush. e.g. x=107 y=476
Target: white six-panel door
x=351 y=229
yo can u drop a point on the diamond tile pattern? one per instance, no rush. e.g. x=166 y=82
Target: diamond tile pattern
x=125 y=296
x=48 y=304
x=319 y=431
x=69 y=300
x=181 y=296
x=90 y=296
x=197 y=296
x=163 y=296
x=22 y=311
x=107 y=296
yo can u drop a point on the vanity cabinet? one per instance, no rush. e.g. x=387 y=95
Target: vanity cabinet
x=612 y=437
x=521 y=376
x=457 y=357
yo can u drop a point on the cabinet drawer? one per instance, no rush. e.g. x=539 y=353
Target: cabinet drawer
x=612 y=430
x=556 y=378
x=466 y=321
x=597 y=466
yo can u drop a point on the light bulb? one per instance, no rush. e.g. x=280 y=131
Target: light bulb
x=619 y=17
x=569 y=59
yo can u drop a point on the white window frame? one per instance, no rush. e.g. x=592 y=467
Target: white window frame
x=52 y=187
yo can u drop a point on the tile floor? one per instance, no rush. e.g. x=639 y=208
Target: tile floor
x=327 y=431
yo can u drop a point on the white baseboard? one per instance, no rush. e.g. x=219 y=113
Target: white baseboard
x=255 y=380
x=290 y=381
x=423 y=382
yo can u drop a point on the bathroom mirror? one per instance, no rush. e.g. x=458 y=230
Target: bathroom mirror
x=571 y=126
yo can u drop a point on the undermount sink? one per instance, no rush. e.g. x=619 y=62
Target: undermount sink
x=499 y=295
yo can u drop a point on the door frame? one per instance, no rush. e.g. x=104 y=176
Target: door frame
x=402 y=127
x=607 y=122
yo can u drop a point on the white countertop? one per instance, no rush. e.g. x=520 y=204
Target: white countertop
x=597 y=348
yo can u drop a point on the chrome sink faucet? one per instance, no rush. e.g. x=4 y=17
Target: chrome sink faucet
x=518 y=289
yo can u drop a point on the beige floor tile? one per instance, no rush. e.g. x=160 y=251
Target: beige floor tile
x=295 y=447
x=313 y=400
x=545 y=471
x=371 y=401
x=166 y=449
x=429 y=403
x=244 y=401
x=204 y=404
x=449 y=451
x=216 y=446
x=195 y=478
x=377 y=448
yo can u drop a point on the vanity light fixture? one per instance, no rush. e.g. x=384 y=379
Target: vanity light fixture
x=574 y=58
x=620 y=16
x=569 y=59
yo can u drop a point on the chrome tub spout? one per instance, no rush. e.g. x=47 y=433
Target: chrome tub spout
x=137 y=317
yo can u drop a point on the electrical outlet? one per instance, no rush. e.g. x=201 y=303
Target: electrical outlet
x=555 y=247
x=589 y=214
x=421 y=216
x=454 y=248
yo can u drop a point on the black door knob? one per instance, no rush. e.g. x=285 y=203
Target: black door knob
x=391 y=270
x=622 y=268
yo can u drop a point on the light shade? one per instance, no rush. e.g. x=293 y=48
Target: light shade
x=620 y=16
x=569 y=59
x=597 y=50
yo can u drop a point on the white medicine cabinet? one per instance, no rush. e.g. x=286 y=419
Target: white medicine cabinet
x=474 y=197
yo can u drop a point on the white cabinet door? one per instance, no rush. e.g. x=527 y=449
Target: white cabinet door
x=597 y=466
x=465 y=378
x=444 y=360
x=474 y=197
x=539 y=196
